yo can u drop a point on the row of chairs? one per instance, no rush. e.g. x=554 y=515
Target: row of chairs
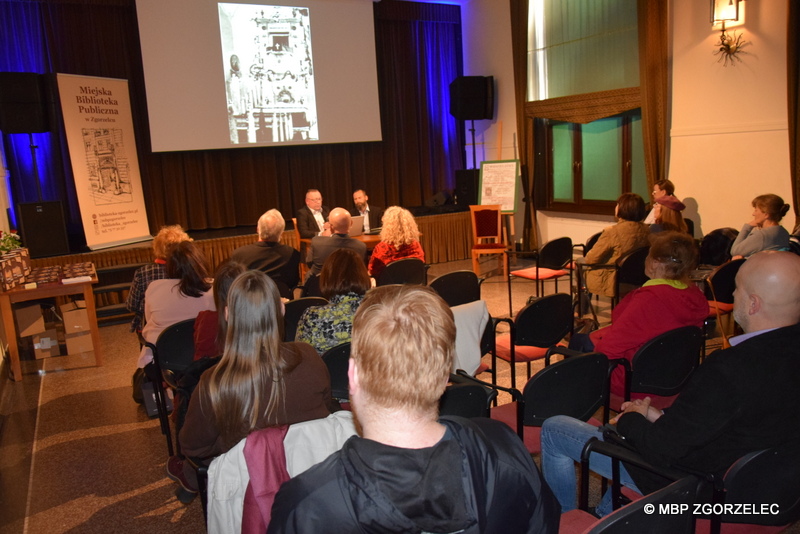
x=577 y=385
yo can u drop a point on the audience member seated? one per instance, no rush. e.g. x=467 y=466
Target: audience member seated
x=280 y=262
x=323 y=246
x=667 y=301
x=343 y=281
x=662 y=188
x=741 y=399
x=764 y=232
x=667 y=211
x=259 y=381
x=167 y=236
x=211 y=325
x=182 y=295
x=615 y=241
x=312 y=219
x=399 y=239
x=372 y=214
x=410 y=470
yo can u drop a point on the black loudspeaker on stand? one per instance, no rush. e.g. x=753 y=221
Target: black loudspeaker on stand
x=472 y=98
x=25 y=101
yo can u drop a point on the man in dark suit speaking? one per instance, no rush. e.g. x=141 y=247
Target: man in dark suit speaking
x=323 y=246
x=372 y=214
x=312 y=218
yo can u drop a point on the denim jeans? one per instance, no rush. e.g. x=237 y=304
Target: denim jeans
x=562 y=440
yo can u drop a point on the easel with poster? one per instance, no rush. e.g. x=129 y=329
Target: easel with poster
x=498 y=185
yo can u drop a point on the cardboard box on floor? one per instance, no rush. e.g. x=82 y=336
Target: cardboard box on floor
x=46 y=344
x=29 y=320
x=76 y=327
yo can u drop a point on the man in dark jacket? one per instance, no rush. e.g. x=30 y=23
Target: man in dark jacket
x=740 y=399
x=324 y=245
x=280 y=262
x=411 y=471
x=373 y=215
x=312 y=219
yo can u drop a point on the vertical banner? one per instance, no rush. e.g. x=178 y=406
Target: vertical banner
x=102 y=149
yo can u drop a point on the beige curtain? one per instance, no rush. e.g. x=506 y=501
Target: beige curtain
x=652 y=95
x=654 y=80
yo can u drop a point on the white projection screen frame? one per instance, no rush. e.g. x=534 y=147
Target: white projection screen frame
x=279 y=90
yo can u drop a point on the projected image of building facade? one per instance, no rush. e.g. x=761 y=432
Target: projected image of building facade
x=269 y=73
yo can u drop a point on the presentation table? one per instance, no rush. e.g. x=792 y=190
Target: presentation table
x=44 y=291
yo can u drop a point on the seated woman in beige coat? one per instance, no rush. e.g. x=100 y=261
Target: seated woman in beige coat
x=627 y=235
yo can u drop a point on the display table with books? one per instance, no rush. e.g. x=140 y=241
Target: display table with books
x=47 y=283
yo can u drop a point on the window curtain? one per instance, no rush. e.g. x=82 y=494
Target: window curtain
x=793 y=77
x=652 y=95
x=418 y=49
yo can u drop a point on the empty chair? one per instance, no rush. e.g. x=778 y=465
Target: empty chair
x=173 y=352
x=715 y=247
x=404 y=271
x=458 y=287
x=537 y=327
x=661 y=367
x=294 y=310
x=338 y=359
x=487 y=236
x=576 y=386
x=552 y=262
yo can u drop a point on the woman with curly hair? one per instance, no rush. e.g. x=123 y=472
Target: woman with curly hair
x=399 y=239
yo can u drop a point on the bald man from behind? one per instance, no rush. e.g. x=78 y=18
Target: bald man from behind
x=324 y=245
x=739 y=400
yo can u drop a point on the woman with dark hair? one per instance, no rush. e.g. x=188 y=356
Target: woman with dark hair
x=667 y=210
x=764 y=232
x=260 y=381
x=182 y=295
x=343 y=281
x=627 y=235
x=211 y=325
x=665 y=302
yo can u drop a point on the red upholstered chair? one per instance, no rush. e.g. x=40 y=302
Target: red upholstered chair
x=487 y=236
x=576 y=386
x=767 y=476
x=537 y=327
x=633 y=519
x=552 y=262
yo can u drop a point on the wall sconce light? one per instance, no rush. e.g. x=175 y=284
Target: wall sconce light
x=729 y=46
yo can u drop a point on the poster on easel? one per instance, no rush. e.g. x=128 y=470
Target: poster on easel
x=102 y=148
x=498 y=184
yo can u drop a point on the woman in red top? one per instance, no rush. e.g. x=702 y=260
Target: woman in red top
x=665 y=302
x=399 y=239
